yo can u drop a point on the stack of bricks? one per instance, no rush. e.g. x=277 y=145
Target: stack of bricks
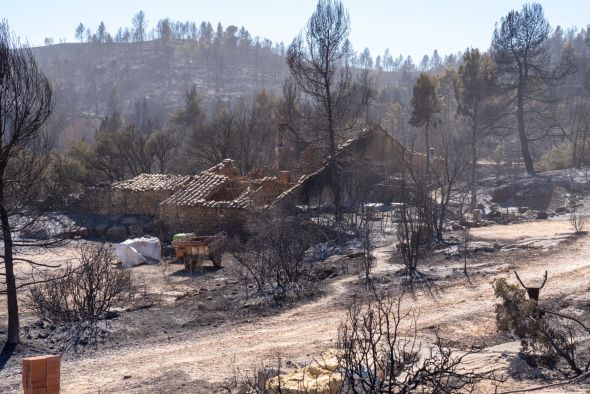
x=41 y=375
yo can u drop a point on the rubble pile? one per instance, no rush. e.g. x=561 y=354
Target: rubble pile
x=320 y=377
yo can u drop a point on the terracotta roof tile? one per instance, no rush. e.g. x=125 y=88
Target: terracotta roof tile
x=152 y=182
x=197 y=190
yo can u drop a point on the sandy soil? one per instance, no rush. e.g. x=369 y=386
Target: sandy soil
x=457 y=307
x=513 y=232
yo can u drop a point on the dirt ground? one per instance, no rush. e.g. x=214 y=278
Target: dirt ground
x=170 y=350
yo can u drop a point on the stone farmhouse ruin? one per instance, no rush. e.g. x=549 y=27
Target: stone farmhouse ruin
x=221 y=199
x=214 y=200
x=369 y=166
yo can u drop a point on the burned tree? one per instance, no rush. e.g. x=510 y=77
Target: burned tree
x=425 y=106
x=446 y=181
x=274 y=256
x=519 y=48
x=380 y=353
x=318 y=60
x=25 y=106
x=415 y=228
x=474 y=89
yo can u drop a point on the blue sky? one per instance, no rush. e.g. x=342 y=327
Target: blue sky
x=414 y=27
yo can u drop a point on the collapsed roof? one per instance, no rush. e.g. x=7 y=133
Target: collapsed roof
x=221 y=187
x=152 y=182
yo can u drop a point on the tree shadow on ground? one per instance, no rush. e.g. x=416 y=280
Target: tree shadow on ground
x=195 y=273
x=7 y=351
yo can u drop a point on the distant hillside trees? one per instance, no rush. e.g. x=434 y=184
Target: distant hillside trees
x=229 y=68
x=80 y=32
x=102 y=35
x=139 y=26
x=125 y=148
x=243 y=130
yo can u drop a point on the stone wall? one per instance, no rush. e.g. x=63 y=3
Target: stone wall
x=113 y=201
x=201 y=220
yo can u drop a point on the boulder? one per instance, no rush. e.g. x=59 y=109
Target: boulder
x=485 y=223
x=321 y=377
x=456 y=226
x=135 y=230
x=494 y=215
x=522 y=210
x=101 y=229
x=36 y=233
x=130 y=220
x=533 y=192
x=116 y=233
x=542 y=215
x=81 y=232
x=561 y=210
x=91 y=233
x=150 y=228
x=520 y=369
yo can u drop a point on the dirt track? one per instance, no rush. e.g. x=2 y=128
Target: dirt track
x=460 y=310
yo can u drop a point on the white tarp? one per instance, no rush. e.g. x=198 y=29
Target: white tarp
x=137 y=251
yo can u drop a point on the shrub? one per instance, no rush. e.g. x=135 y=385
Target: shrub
x=557 y=158
x=80 y=297
x=546 y=337
x=512 y=314
x=274 y=256
x=561 y=157
x=377 y=356
x=579 y=221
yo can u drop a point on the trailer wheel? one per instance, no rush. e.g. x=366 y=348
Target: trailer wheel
x=216 y=258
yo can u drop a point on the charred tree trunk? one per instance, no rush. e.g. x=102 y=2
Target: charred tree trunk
x=13 y=336
x=333 y=163
x=524 y=141
x=25 y=105
x=428 y=157
x=473 y=165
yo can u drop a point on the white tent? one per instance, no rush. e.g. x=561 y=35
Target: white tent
x=137 y=251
